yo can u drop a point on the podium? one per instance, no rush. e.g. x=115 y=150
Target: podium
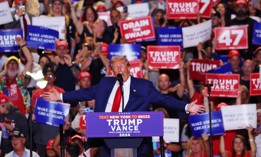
x=124 y=129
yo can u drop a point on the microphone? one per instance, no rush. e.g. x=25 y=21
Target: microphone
x=120 y=79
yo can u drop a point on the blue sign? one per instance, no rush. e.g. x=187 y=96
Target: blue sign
x=224 y=69
x=50 y=112
x=170 y=36
x=124 y=124
x=7 y=40
x=256 y=40
x=199 y=124
x=131 y=51
x=224 y=58
x=41 y=38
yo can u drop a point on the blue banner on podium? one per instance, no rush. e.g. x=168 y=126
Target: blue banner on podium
x=199 y=124
x=124 y=124
x=7 y=40
x=50 y=112
x=41 y=38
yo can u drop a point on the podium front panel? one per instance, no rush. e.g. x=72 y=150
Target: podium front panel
x=124 y=124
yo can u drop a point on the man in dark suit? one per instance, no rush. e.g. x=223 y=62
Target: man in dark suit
x=139 y=94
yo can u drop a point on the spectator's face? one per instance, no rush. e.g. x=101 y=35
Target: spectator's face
x=240 y=10
x=157 y=17
x=57 y=7
x=2 y=109
x=163 y=82
x=12 y=68
x=43 y=61
x=18 y=143
x=115 y=16
x=234 y=61
x=61 y=51
x=238 y=145
x=221 y=9
x=50 y=78
x=215 y=21
x=258 y=56
x=121 y=67
x=195 y=146
x=248 y=67
x=90 y=15
x=85 y=82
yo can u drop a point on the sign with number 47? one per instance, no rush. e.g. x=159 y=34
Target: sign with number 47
x=234 y=37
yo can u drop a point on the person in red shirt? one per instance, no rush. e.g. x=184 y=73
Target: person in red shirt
x=239 y=146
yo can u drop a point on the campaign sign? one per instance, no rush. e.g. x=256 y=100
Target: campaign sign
x=171 y=130
x=124 y=124
x=234 y=37
x=224 y=69
x=180 y=9
x=205 y=7
x=41 y=37
x=195 y=34
x=224 y=85
x=138 y=29
x=55 y=23
x=256 y=40
x=50 y=112
x=199 y=124
x=170 y=36
x=131 y=51
x=199 y=67
x=239 y=116
x=163 y=57
x=5 y=13
x=255 y=85
x=135 y=69
x=136 y=10
x=7 y=39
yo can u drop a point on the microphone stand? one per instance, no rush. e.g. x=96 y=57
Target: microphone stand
x=210 y=119
x=122 y=96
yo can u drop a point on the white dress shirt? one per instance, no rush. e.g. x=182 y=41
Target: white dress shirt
x=126 y=92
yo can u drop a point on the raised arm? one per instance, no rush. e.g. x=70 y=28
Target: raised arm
x=78 y=24
x=222 y=147
x=251 y=141
x=181 y=87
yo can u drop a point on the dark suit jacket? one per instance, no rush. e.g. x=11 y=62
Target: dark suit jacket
x=142 y=95
x=16 y=23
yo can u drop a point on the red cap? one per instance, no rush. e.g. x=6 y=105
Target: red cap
x=244 y=2
x=50 y=144
x=104 y=49
x=79 y=137
x=219 y=106
x=101 y=8
x=61 y=43
x=84 y=74
x=3 y=98
x=17 y=1
x=233 y=53
x=118 y=2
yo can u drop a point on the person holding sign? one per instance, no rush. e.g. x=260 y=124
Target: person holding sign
x=138 y=94
x=239 y=146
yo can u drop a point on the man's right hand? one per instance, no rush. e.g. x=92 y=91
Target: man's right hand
x=193 y=108
x=53 y=95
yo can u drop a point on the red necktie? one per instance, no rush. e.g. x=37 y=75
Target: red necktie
x=117 y=100
x=25 y=26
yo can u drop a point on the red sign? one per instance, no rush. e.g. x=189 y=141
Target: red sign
x=135 y=69
x=224 y=85
x=182 y=9
x=137 y=29
x=205 y=8
x=163 y=57
x=255 y=85
x=234 y=37
x=199 y=67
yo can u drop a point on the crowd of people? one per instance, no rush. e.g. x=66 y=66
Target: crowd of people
x=78 y=63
